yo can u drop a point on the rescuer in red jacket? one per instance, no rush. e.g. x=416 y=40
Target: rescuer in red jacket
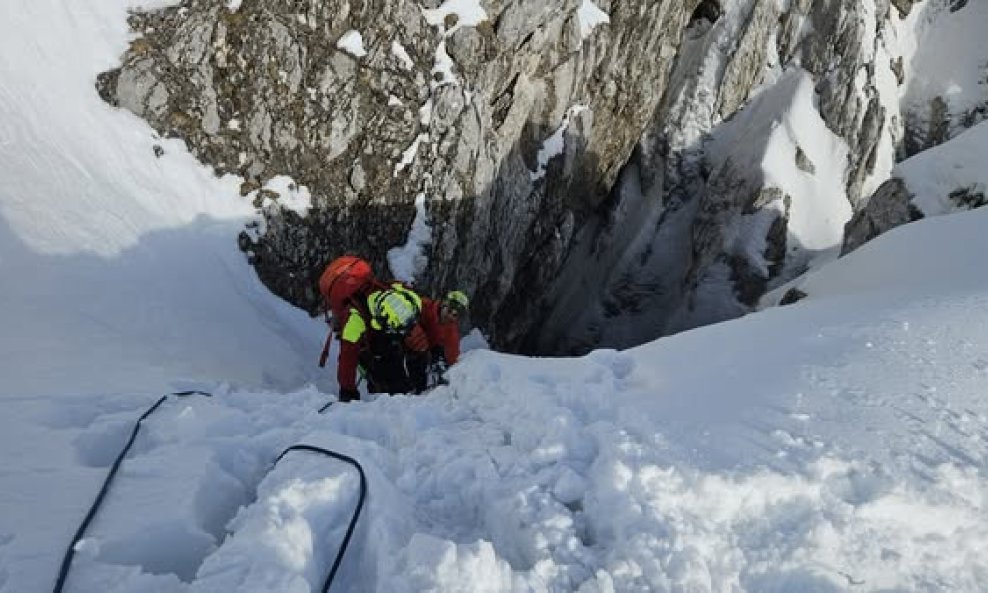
x=401 y=341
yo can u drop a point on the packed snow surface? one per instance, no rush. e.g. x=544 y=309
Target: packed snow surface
x=838 y=444
x=846 y=452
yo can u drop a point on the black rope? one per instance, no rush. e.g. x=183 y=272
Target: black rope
x=63 y=572
x=192 y=392
x=356 y=514
x=91 y=514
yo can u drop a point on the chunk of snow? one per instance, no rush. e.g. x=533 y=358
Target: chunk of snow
x=408 y=157
x=590 y=15
x=469 y=13
x=425 y=113
x=291 y=196
x=444 y=66
x=555 y=144
x=399 y=51
x=352 y=43
x=408 y=260
x=474 y=340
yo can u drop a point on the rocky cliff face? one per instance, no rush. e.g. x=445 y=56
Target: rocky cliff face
x=595 y=173
x=369 y=104
x=776 y=113
x=780 y=122
x=944 y=105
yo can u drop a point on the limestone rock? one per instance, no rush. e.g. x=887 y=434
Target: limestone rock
x=569 y=173
x=888 y=208
x=435 y=104
x=690 y=238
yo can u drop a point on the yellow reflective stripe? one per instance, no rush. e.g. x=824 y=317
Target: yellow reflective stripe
x=396 y=306
x=354 y=328
x=410 y=294
x=374 y=307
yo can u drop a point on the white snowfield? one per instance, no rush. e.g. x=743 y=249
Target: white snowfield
x=838 y=444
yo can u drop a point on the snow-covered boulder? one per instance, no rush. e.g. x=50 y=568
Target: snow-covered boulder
x=948 y=178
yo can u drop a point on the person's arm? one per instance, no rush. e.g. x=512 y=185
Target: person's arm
x=451 y=341
x=430 y=321
x=346 y=370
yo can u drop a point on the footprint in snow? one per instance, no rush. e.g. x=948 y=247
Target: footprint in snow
x=620 y=364
x=161 y=549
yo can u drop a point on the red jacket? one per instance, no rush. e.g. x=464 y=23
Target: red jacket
x=342 y=307
x=346 y=367
x=446 y=335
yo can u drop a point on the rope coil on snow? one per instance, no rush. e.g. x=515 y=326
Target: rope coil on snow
x=91 y=514
x=63 y=572
x=356 y=513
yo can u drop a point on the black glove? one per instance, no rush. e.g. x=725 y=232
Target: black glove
x=438 y=353
x=349 y=395
x=438 y=367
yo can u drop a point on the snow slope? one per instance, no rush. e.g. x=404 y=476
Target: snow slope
x=839 y=444
x=108 y=253
x=933 y=175
x=949 y=53
x=779 y=122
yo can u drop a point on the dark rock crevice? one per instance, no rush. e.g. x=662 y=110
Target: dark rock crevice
x=708 y=11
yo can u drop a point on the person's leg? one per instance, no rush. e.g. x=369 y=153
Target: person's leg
x=417 y=372
x=366 y=367
x=387 y=371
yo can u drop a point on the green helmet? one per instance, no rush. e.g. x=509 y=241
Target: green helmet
x=457 y=301
x=395 y=309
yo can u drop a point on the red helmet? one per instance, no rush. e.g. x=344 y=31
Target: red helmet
x=342 y=278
